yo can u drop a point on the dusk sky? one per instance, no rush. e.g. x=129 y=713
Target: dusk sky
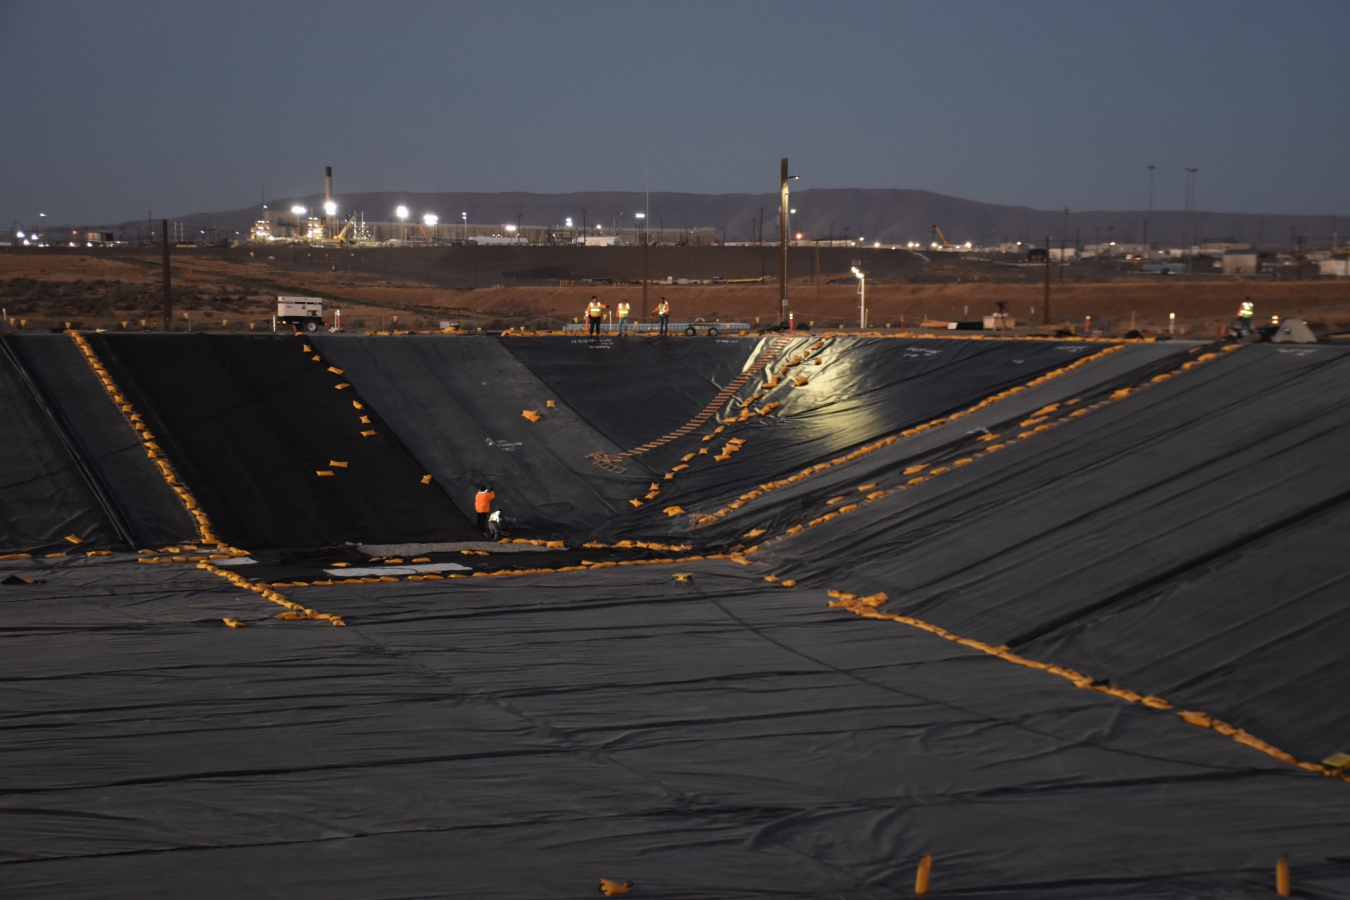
x=113 y=109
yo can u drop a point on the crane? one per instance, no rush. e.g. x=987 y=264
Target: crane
x=342 y=235
x=941 y=241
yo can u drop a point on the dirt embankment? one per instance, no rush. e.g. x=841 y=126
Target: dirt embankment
x=45 y=290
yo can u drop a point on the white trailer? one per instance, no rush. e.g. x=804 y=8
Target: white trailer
x=302 y=313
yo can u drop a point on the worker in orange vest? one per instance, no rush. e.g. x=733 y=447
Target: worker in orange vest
x=482 y=504
x=595 y=310
x=623 y=319
x=663 y=313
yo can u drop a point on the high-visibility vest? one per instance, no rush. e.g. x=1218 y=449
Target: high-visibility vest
x=595 y=310
x=623 y=310
x=1245 y=312
x=663 y=308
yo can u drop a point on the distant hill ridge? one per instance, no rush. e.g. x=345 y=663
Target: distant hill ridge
x=887 y=215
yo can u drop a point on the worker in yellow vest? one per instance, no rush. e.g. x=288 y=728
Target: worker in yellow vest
x=595 y=310
x=663 y=314
x=623 y=319
x=1243 y=325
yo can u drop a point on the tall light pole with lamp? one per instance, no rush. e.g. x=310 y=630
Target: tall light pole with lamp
x=431 y=220
x=1150 y=207
x=329 y=213
x=464 y=216
x=862 y=294
x=642 y=235
x=298 y=211
x=402 y=213
x=783 y=179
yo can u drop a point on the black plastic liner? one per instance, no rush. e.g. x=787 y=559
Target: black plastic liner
x=148 y=508
x=43 y=496
x=791 y=504
x=248 y=421
x=457 y=402
x=1181 y=542
x=633 y=390
x=863 y=389
x=523 y=737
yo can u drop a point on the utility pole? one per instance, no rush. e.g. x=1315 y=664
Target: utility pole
x=168 y=286
x=1150 y=207
x=1045 y=308
x=646 y=240
x=783 y=233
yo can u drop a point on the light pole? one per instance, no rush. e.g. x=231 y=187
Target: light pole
x=402 y=213
x=329 y=220
x=1190 y=201
x=783 y=179
x=1150 y=207
x=431 y=219
x=793 y=220
x=862 y=295
x=465 y=217
x=642 y=222
x=298 y=211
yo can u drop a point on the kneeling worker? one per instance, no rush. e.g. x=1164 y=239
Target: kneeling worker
x=482 y=504
x=594 y=311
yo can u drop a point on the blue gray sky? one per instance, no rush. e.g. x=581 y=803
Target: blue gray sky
x=113 y=109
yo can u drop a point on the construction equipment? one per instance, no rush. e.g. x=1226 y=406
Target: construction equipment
x=342 y=235
x=303 y=313
x=941 y=243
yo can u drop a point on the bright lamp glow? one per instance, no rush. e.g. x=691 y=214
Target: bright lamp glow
x=330 y=208
x=510 y=228
x=568 y=221
x=431 y=218
x=642 y=215
x=401 y=212
x=298 y=210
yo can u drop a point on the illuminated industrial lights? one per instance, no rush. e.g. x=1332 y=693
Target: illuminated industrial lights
x=401 y=212
x=298 y=210
x=431 y=219
x=330 y=208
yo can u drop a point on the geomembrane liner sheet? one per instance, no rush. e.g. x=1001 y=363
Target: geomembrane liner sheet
x=456 y=403
x=249 y=422
x=147 y=506
x=863 y=389
x=43 y=495
x=631 y=389
x=523 y=737
x=1186 y=541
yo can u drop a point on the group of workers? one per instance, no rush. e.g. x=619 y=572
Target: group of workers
x=595 y=313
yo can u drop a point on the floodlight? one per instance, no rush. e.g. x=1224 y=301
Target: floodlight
x=330 y=208
x=401 y=212
x=298 y=210
x=431 y=218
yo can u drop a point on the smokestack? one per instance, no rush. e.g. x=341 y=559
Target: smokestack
x=328 y=184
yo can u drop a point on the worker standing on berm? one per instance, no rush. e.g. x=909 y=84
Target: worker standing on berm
x=663 y=313
x=623 y=319
x=482 y=504
x=594 y=310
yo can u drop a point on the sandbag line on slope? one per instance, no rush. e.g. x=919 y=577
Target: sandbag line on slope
x=295 y=610
x=699 y=521
x=725 y=395
x=748 y=412
x=152 y=449
x=868 y=607
x=1037 y=425
x=363 y=419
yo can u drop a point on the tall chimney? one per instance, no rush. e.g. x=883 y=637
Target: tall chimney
x=328 y=184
